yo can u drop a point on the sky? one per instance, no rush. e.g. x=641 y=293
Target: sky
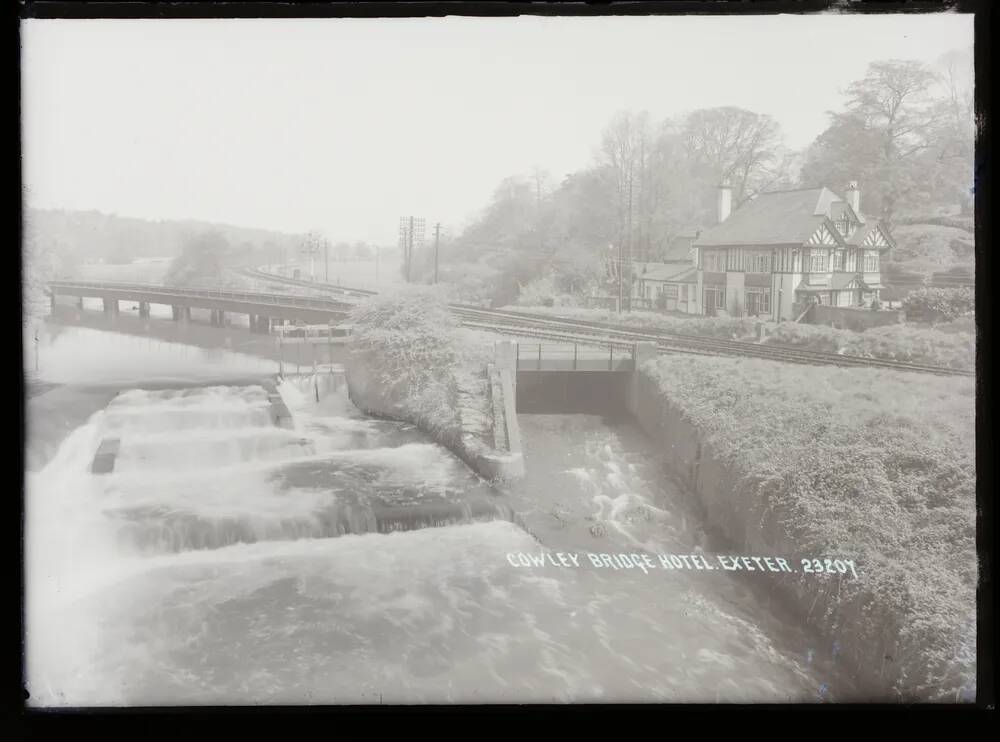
x=344 y=125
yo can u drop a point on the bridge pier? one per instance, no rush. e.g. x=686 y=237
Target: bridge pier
x=144 y=309
x=79 y=303
x=260 y=324
x=111 y=306
x=181 y=314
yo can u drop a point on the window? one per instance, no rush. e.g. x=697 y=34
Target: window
x=684 y=292
x=758 y=302
x=871 y=261
x=714 y=261
x=817 y=261
x=840 y=260
x=715 y=299
x=758 y=261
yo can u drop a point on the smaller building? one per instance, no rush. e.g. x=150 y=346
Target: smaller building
x=669 y=286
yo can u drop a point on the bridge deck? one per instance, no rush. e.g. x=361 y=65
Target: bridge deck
x=282 y=306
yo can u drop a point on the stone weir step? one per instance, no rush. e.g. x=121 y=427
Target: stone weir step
x=280 y=415
x=104 y=459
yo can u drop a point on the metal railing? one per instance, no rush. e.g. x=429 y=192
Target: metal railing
x=246 y=297
x=544 y=357
x=312 y=331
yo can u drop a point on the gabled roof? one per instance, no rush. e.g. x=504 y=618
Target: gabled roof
x=843 y=280
x=667 y=272
x=690 y=275
x=679 y=252
x=838 y=208
x=862 y=232
x=773 y=218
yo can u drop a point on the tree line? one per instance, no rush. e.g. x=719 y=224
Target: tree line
x=905 y=131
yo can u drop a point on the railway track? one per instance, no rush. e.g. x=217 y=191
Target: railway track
x=610 y=335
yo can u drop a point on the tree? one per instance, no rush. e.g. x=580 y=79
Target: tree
x=201 y=261
x=735 y=145
x=889 y=121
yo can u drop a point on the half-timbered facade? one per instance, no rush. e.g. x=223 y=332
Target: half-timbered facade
x=789 y=248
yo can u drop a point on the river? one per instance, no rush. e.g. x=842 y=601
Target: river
x=229 y=561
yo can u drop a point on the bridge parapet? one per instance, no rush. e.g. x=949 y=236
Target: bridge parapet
x=548 y=357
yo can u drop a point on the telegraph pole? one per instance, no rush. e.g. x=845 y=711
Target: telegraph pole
x=437 y=240
x=411 y=231
x=621 y=243
x=409 y=252
x=326 y=260
x=630 y=239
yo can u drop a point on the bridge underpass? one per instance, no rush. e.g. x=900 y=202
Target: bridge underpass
x=566 y=379
x=560 y=379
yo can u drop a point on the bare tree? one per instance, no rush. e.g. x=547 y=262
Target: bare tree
x=736 y=145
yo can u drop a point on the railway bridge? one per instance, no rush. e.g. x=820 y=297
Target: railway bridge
x=264 y=309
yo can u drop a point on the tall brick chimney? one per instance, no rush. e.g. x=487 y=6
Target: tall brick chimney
x=725 y=201
x=853 y=196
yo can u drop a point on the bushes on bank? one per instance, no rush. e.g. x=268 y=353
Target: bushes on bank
x=410 y=341
x=940 y=304
x=953 y=348
x=859 y=464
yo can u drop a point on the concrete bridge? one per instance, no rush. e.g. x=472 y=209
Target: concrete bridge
x=263 y=309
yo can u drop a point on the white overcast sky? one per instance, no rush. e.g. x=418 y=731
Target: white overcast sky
x=344 y=125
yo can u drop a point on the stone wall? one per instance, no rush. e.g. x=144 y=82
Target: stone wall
x=471 y=436
x=853 y=318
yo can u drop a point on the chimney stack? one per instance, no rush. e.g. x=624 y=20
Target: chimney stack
x=725 y=201
x=854 y=197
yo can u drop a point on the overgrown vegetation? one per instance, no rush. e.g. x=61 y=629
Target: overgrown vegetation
x=949 y=344
x=921 y=345
x=412 y=351
x=940 y=304
x=734 y=328
x=859 y=464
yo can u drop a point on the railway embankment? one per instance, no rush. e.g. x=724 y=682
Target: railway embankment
x=826 y=467
x=945 y=346
x=407 y=361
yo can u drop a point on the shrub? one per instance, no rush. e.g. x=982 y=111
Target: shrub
x=921 y=345
x=940 y=304
x=410 y=338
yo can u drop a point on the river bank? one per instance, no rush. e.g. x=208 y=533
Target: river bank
x=839 y=464
x=409 y=360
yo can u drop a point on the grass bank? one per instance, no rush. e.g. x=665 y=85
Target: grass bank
x=951 y=344
x=856 y=464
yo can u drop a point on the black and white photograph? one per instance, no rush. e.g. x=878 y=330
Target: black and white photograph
x=527 y=359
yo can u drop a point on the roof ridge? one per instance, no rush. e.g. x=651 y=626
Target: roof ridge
x=793 y=190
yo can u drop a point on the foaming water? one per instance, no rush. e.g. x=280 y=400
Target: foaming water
x=226 y=560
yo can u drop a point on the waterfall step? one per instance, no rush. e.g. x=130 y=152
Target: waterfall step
x=104 y=459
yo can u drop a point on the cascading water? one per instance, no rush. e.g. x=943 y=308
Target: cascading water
x=203 y=568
